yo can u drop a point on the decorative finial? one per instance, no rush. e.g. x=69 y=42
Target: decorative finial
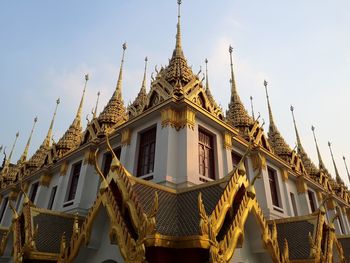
x=337 y=176
x=346 y=167
x=268 y=103
x=206 y=74
x=77 y=120
x=320 y=162
x=13 y=147
x=232 y=81
x=295 y=128
x=178 y=46
x=25 y=153
x=95 y=111
x=47 y=141
x=143 y=87
x=251 y=105
x=118 y=91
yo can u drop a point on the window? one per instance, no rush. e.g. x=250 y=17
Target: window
x=3 y=208
x=74 y=181
x=294 y=205
x=236 y=157
x=311 y=200
x=18 y=202
x=206 y=154
x=147 y=152
x=340 y=221
x=273 y=186
x=107 y=160
x=33 y=191
x=52 y=197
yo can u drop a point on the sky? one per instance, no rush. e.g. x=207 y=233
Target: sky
x=302 y=48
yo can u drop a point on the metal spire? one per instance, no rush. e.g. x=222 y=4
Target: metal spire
x=178 y=46
x=268 y=104
x=25 y=153
x=234 y=93
x=13 y=147
x=320 y=162
x=47 y=141
x=206 y=74
x=251 y=105
x=95 y=111
x=337 y=176
x=347 y=170
x=296 y=129
x=77 y=120
x=143 y=87
x=118 y=90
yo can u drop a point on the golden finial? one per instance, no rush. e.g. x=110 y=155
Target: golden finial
x=295 y=128
x=47 y=141
x=268 y=103
x=118 y=90
x=233 y=82
x=337 y=176
x=346 y=167
x=320 y=162
x=13 y=147
x=77 y=120
x=178 y=47
x=95 y=111
x=25 y=153
x=143 y=87
x=252 y=107
x=206 y=74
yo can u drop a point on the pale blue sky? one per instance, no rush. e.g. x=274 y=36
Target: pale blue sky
x=301 y=47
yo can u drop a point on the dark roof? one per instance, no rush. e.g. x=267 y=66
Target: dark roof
x=50 y=230
x=345 y=243
x=178 y=213
x=297 y=235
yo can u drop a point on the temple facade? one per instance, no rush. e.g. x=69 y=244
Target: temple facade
x=172 y=178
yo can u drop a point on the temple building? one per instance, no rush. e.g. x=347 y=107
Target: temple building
x=172 y=178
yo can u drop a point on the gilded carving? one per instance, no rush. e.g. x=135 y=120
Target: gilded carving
x=64 y=168
x=178 y=119
x=126 y=137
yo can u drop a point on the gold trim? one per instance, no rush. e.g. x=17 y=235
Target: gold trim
x=64 y=168
x=228 y=140
x=45 y=179
x=178 y=119
x=126 y=137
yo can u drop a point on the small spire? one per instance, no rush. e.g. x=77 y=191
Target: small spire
x=234 y=93
x=143 y=87
x=77 y=120
x=337 y=176
x=296 y=129
x=25 y=153
x=320 y=162
x=178 y=46
x=251 y=105
x=47 y=141
x=13 y=147
x=118 y=89
x=268 y=104
x=95 y=111
x=206 y=74
x=346 y=167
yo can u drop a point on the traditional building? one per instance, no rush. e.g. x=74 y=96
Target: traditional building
x=171 y=178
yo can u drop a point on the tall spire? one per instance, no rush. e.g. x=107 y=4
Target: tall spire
x=337 y=176
x=143 y=86
x=118 y=90
x=268 y=104
x=25 y=153
x=206 y=74
x=95 y=111
x=321 y=165
x=178 y=46
x=252 y=106
x=237 y=115
x=346 y=167
x=47 y=141
x=8 y=161
x=77 y=120
x=296 y=129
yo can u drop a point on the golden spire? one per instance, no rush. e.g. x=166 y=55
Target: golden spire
x=47 y=141
x=296 y=129
x=207 y=89
x=143 y=86
x=7 y=163
x=268 y=104
x=337 y=176
x=95 y=111
x=25 y=153
x=77 y=120
x=178 y=46
x=118 y=90
x=346 y=167
x=252 y=107
x=237 y=115
x=321 y=165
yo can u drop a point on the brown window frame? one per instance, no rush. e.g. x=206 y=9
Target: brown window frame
x=74 y=181
x=52 y=197
x=274 y=189
x=312 y=202
x=294 y=204
x=147 y=151
x=33 y=191
x=206 y=154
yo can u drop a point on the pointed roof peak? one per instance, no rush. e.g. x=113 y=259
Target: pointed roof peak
x=178 y=52
x=26 y=149
x=337 y=175
x=47 y=141
x=77 y=120
x=346 y=167
x=206 y=74
x=272 y=123
x=143 y=86
x=95 y=111
x=234 y=93
x=296 y=129
x=118 y=89
x=8 y=161
x=252 y=106
x=321 y=165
